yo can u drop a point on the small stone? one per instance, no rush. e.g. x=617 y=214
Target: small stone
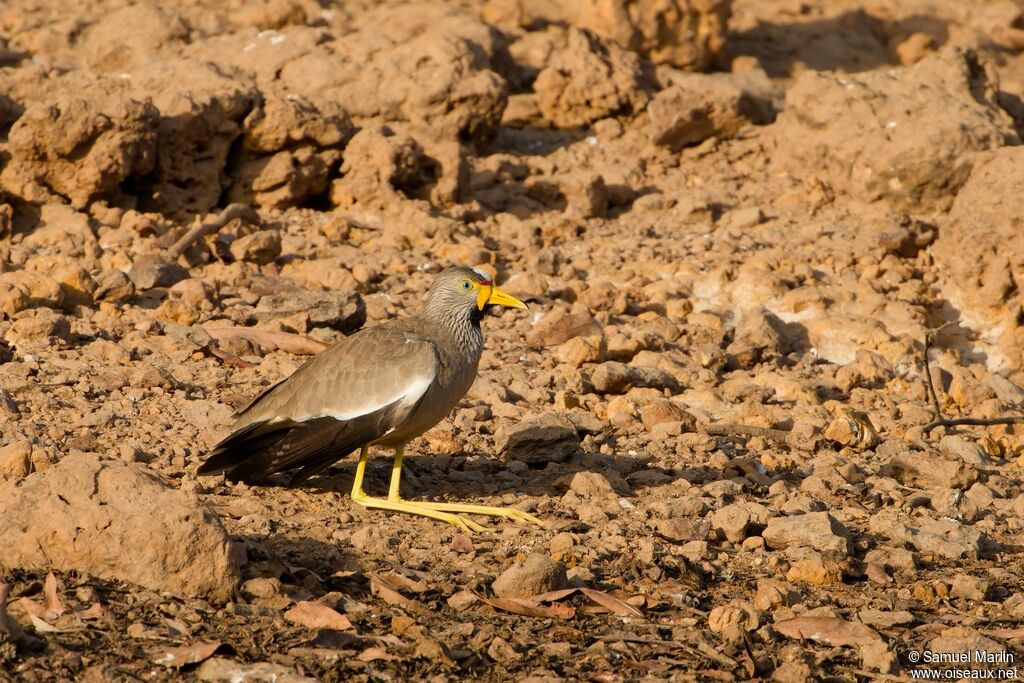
x=877 y=656
x=737 y=521
x=151 y=270
x=815 y=571
x=591 y=486
x=223 y=670
x=970 y=587
x=538 y=439
x=580 y=350
x=535 y=575
x=733 y=620
x=342 y=310
x=818 y=530
x=113 y=285
x=682 y=530
x=772 y=593
x=560 y=326
x=897 y=559
x=613 y=377
x=663 y=410
x=44 y=325
x=15 y=460
x=260 y=247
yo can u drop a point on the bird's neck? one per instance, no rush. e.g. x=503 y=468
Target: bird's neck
x=461 y=328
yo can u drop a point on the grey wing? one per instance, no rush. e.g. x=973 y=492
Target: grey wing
x=363 y=373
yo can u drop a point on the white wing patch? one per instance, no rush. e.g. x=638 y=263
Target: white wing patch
x=483 y=276
x=409 y=395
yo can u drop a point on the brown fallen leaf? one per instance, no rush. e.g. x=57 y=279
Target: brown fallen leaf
x=1006 y=633
x=95 y=611
x=610 y=603
x=463 y=598
x=372 y=654
x=828 y=630
x=531 y=608
x=195 y=653
x=41 y=626
x=382 y=587
x=317 y=615
x=54 y=606
x=270 y=340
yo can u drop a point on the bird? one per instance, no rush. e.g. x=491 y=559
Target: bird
x=381 y=386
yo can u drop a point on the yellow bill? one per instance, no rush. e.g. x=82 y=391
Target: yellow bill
x=491 y=295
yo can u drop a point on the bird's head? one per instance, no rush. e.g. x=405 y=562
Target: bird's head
x=469 y=291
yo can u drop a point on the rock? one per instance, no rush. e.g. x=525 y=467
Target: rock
x=816 y=571
x=897 y=559
x=117 y=521
x=699 y=106
x=223 y=670
x=45 y=324
x=733 y=620
x=977 y=245
x=260 y=247
x=970 y=587
x=151 y=270
x=877 y=656
x=686 y=35
x=884 y=619
x=40 y=290
x=960 y=639
x=853 y=428
x=929 y=471
x=613 y=377
x=437 y=79
x=15 y=460
x=663 y=410
x=590 y=79
x=772 y=593
x=682 y=530
x=817 y=530
x=12 y=298
x=560 y=326
x=737 y=521
x=538 y=439
x=79 y=148
x=945 y=538
x=113 y=285
x=580 y=350
x=754 y=338
x=342 y=310
x=954 y=504
x=905 y=136
x=535 y=575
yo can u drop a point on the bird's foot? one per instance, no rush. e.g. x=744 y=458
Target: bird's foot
x=416 y=508
x=470 y=509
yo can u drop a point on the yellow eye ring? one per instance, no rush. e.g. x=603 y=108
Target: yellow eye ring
x=465 y=285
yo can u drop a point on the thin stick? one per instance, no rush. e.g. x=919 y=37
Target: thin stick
x=941 y=421
x=208 y=227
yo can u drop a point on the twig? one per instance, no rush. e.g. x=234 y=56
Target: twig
x=940 y=420
x=208 y=227
x=731 y=429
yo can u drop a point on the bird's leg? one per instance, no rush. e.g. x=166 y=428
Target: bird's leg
x=359 y=497
x=467 y=508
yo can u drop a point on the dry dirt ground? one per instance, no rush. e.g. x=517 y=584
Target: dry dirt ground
x=734 y=223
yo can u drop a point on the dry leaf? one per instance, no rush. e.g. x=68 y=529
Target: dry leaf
x=398 y=582
x=462 y=544
x=32 y=608
x=41 y=626
x=554 y=596
x=372 y=654
x=1006 y=633
x=187 y=654
x=270 y=340
x=612 y=604
x=382 y=587
x=54 y=606
x=828 y=630
x=531 y=608
x=229 y=358
x=317 y=615
x=96 y=611
x=177 y=628
x=462 y=599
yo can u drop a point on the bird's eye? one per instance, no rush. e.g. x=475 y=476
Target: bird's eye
x=465 y=285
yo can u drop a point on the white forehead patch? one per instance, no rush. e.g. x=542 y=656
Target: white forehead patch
x=483 y=276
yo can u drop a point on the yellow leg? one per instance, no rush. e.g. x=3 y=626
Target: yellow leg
x=359 y=497
x=467 y=508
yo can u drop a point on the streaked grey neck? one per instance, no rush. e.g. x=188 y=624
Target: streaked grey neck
x=461 y=326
